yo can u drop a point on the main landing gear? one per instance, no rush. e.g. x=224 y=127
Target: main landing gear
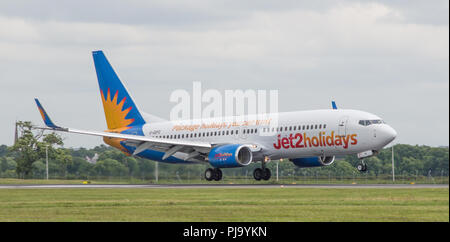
x=262 y=173
x=361 y=167
x=213 y=174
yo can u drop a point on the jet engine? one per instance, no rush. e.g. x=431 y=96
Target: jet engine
x=226 y=156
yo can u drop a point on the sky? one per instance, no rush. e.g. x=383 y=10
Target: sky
x=390 y=58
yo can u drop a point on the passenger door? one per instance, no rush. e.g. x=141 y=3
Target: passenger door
x=342 y=126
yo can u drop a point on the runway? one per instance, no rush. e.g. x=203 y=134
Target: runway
x=228 y=186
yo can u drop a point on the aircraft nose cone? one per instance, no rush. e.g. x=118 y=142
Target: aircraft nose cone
x=387 y=133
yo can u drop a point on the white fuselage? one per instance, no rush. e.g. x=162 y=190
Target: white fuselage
x=326 y=132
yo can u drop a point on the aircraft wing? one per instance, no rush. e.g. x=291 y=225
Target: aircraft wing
x=191 y=149
x=130 y=137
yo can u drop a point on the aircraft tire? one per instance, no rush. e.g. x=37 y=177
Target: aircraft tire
x=266 y=174
x=209 y=174
x=217 y=174
x=258 y=174
x=361 y=167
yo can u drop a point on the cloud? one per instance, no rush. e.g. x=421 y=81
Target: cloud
x=363 y=54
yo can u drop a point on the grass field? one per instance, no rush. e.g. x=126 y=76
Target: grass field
x=215 y=204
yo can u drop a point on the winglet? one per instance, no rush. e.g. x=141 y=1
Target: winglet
x=45 y=116
x=333 y=104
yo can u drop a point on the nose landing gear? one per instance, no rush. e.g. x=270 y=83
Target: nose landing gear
x=361 y=167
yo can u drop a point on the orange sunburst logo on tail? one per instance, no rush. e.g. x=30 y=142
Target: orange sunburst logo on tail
x=115 y=116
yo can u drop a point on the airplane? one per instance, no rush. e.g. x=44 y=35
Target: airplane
x=306 y=138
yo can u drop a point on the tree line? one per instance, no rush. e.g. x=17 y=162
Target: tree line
x=27 y=158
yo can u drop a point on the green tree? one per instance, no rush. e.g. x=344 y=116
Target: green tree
x=110 y=167
x=31 y=146
x=3 y=150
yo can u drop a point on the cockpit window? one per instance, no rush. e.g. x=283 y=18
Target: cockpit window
x=369 y=122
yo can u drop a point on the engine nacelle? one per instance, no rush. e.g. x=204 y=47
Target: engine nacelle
x=226 y=156
x=313 y=161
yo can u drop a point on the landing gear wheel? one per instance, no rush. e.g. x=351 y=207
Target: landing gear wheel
x=361 y=167
x=266 y=174
x=209 y=174
x=213 y=174
x=217 y=174
x=258 y=174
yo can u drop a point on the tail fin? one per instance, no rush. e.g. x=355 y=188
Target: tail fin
x=333 y=104
x=120 y=109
